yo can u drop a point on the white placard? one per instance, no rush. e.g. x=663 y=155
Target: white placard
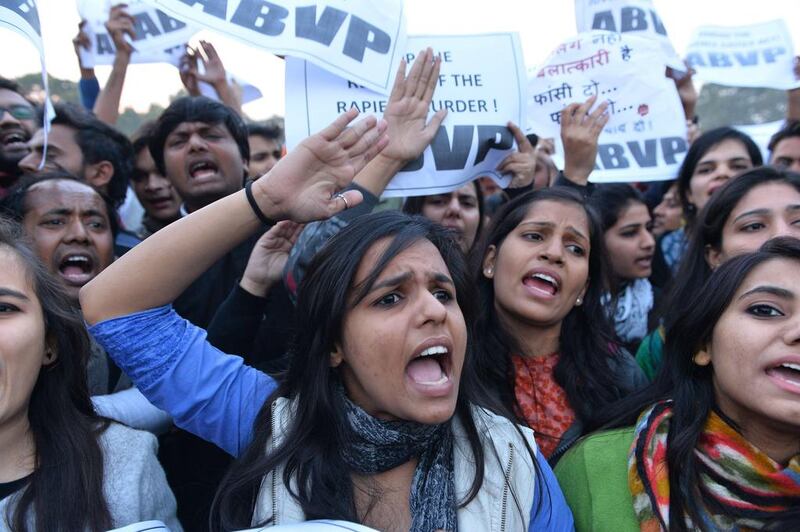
x=760 y=55
x=481 y=84
x=762 y=134
x=629 y=17
x=160 y=38
x=357 y=39
x=645 y=138
x=23 y=18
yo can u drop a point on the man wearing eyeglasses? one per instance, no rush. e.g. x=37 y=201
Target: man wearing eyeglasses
x=18 y=122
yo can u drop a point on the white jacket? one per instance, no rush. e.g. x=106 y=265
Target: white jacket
x=503 y=503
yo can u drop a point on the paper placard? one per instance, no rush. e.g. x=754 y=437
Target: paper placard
x=357 y=39
x=481 y=84
x=761 y=134
x=759 y=55
x=160 y=38
x=23 y=18
x=645 y=138
x=629 y=17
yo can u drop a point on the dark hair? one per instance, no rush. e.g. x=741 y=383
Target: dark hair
x=707 y=233
x=610 y=200
x=702 y=145
x=196 y=109
x=414 y=205
x=268 y=131
x=65 y=491
x=586 y=339
x=790 y=129
x=14 y=205
x=141 y=137
x=690 y=387
x=314 y=473
x=10 y=85
x=99 y=142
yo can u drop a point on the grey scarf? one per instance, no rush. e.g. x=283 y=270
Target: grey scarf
x=378 y=446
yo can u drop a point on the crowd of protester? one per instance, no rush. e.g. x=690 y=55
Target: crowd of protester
x=265 y=341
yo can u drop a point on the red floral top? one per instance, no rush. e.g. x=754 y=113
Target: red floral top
x=543 y=403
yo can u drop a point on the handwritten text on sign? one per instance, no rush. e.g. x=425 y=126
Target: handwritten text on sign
x=357 y=39
x=481 y=85
x=160 y=38
x=760 y=55
x=645 y=135
x=629 y=17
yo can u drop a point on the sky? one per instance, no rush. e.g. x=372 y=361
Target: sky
x=541 y=25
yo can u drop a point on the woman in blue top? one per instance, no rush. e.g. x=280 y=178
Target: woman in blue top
x=374 y=422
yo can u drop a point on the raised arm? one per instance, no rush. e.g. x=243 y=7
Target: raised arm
x=213 y=73
x=580 y=130
x=303 y=186
x=406 y=116
x=120 y=23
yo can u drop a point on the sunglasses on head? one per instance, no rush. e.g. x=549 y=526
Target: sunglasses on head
x=20 y=112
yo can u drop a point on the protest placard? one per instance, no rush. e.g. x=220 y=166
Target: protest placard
x=629 y=17
x=160 y=38
x=481 y=85
x=758 y=55
x=359 y=40
x=23 y=18
x=645 y=137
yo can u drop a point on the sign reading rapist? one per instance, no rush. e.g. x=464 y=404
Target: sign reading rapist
x=357 y=39
x=759 y=55
x=629 y=17
x=22 y=17
x=645 y=137
x=481 y=85
x=160 y=38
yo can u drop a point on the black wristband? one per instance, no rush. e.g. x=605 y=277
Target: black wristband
x=248 y=191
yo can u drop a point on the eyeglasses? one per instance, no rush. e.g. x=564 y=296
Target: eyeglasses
x=20 y=112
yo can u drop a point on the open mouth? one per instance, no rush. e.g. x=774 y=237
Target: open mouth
x=787 y=375
x=202 y=169
x=542 y=283
x=76 y=269
x=645 y=262
x=160 y=203
x=431 y=367
x=14 y=140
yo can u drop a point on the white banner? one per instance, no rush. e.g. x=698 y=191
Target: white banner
x=645 y=138
x=760 y=55
x=23 y=18
x=160 y=38
x=357 y=39
x=629 y=17
x=481 y=85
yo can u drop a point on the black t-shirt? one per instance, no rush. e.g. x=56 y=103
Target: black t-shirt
x=10 y=488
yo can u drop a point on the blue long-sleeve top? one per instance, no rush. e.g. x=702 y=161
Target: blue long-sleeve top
x=217 y=397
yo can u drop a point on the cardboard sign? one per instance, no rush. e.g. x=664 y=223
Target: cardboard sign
x=629 y=17
x=760 y=55
x=481 y=84
x=160 y=38
x=645 y=137
x=22 y=17
x=357 y=39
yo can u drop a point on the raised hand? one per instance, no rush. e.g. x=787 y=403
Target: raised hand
x=304 y=185
x=269 y=256
x=686 y=89
x=187 y=67
x=213 y=69
x=121 y=23
x=580 y=130
x=407 y=109
x=521 y=163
